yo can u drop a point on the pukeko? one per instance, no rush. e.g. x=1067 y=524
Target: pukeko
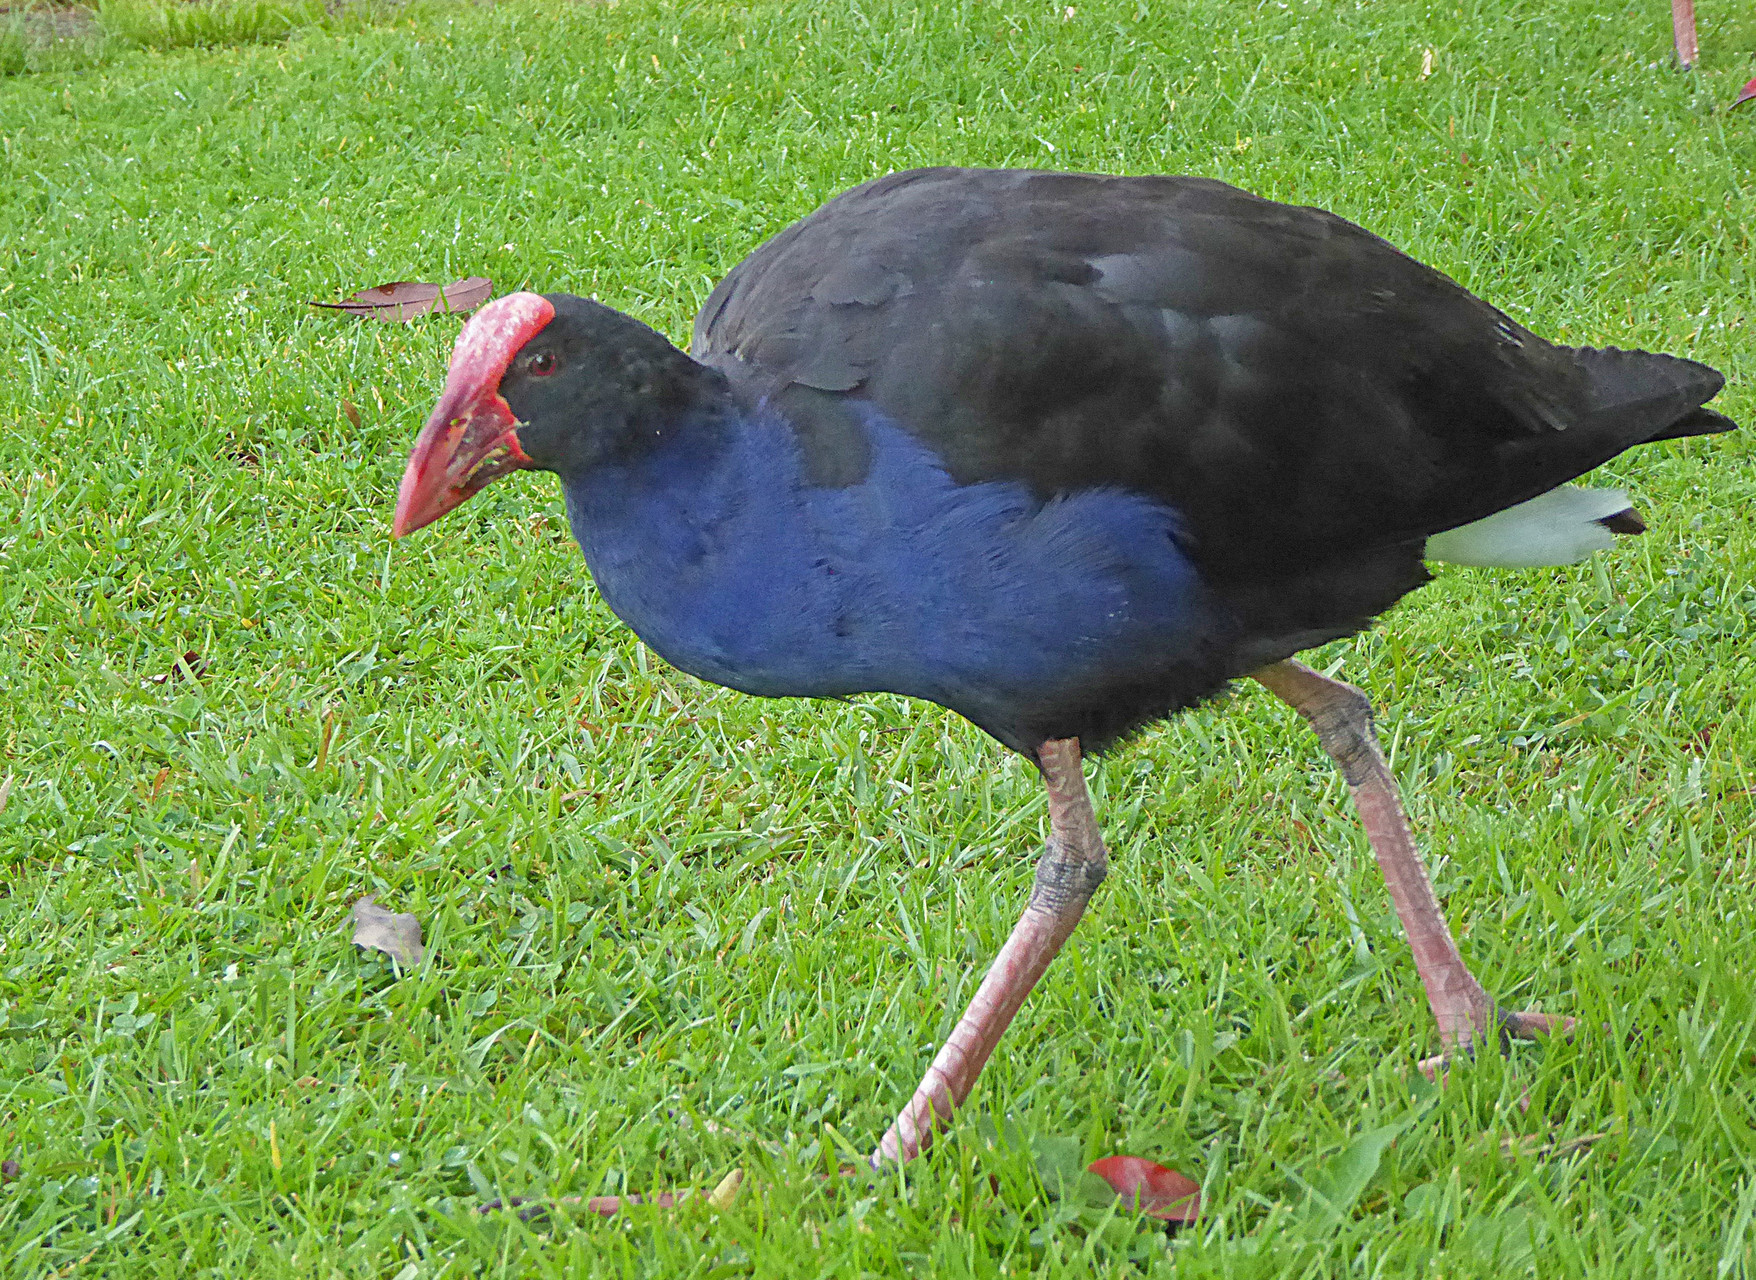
x=1064 y=453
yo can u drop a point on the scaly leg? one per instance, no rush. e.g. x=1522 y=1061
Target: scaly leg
x=1683 y=32
x=1342 y=717
x=1071 y=868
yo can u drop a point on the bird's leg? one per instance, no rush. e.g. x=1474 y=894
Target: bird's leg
x=1071 y=868
x=1342 y=717
x=1683 y=32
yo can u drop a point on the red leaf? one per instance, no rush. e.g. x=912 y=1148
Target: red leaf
x=1746 y=94
x=1151 y=1188
x=402 y=300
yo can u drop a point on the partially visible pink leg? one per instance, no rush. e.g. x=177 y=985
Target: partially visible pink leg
x=1342 y=717
x=1071 y=868
x=1683 y=31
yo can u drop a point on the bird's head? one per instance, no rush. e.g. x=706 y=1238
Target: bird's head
x=554 y=382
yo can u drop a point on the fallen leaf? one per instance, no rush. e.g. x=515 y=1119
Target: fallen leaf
x=244 y=453
x=5 y=792
x=351 y=413
x=722 y=1196
x=323 y=744
x=1151 y=1188
x=9 y=1170
x=1746 y=94
x=191 y=663
x=398 y=935
x=402 y=300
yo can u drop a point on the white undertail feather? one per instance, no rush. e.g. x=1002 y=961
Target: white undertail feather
x=1557 y=527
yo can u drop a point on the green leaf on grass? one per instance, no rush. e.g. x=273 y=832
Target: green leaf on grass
x=1342 y=1181
x=1060 y=1162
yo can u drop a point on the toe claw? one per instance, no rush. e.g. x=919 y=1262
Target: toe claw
x=1534 y=1026
x=1512 y=1026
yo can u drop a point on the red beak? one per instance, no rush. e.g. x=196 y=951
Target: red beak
x=471 y=437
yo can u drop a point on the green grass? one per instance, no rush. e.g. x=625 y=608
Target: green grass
x=39 y=37
x=646 y=895
x=152 y=24
x=42 y=38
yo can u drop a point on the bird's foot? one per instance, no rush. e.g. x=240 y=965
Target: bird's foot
x=1511 y=1025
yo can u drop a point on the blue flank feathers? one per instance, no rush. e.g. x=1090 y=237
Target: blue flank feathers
x=979 y=597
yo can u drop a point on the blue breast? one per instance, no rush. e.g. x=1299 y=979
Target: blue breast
x=979 y=597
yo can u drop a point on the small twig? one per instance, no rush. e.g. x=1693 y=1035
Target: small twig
x=323 y=742
x=532 y=1210
x=720 y=1198
x=1532 y=1145
x=71 y=1267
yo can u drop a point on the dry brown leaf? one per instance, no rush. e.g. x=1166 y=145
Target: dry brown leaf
x=396 y=934
x=323 y=746
x=402 y=300
x=351 y=413
x=244 y=453
x=191 y=663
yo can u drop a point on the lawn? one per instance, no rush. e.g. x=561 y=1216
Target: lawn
x=230 y=706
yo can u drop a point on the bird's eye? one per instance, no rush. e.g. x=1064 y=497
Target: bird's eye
x=542 y=364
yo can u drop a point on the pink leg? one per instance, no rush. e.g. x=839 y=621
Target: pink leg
x=1071 y=868
x=1342 y=717
x=1683 y=31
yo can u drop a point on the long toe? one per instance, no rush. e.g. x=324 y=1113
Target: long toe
x=1519 y=1025
x=1536 y=1026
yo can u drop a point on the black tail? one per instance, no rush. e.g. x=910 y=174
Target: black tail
x=1652 y=397
x=1628 y=398
x=1703 y=422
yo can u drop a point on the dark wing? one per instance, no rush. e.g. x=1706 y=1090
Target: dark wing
x=1297 y=387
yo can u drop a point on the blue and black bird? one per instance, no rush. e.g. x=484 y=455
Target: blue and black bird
x=1066 y=454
